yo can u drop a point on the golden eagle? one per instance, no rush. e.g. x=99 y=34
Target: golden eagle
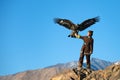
x=76 y=27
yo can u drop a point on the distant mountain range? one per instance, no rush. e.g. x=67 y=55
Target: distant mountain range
x=48 y=72
x=96 y=64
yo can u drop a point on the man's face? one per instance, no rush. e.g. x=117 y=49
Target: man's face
x=88 y=34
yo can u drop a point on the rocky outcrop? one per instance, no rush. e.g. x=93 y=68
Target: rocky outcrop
x=73 y=74
x=66 y=75
x=110 y=73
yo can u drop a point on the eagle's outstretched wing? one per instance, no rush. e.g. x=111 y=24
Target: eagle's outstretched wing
x=76 y=28
x=87 y=23
x=66 y=23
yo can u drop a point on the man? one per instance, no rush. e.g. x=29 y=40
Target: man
x=86 y=49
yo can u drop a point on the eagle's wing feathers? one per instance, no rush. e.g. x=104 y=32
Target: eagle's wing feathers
x=66 y=23
x=87 y=23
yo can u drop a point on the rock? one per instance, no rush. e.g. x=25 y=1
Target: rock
x=66 y=75
x=73 y=74
x=110 y=73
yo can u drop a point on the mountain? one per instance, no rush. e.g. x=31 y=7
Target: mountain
x=96 y=64
x=48 y=72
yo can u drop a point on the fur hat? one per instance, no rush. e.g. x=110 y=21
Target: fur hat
x=91 y=32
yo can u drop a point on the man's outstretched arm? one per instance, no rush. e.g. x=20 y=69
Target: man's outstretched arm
x=77 y=36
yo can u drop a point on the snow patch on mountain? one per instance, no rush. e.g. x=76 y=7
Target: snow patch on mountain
x=117 y=63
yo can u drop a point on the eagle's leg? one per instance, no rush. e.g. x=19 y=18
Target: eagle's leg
x=73 y=34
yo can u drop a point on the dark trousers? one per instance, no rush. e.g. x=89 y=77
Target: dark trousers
x=82 y=58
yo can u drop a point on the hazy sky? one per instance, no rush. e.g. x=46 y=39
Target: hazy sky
x=29 y=39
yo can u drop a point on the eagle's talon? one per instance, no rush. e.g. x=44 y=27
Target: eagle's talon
x=69 y=35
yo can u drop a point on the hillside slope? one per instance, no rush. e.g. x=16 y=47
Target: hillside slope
x=48 y=72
